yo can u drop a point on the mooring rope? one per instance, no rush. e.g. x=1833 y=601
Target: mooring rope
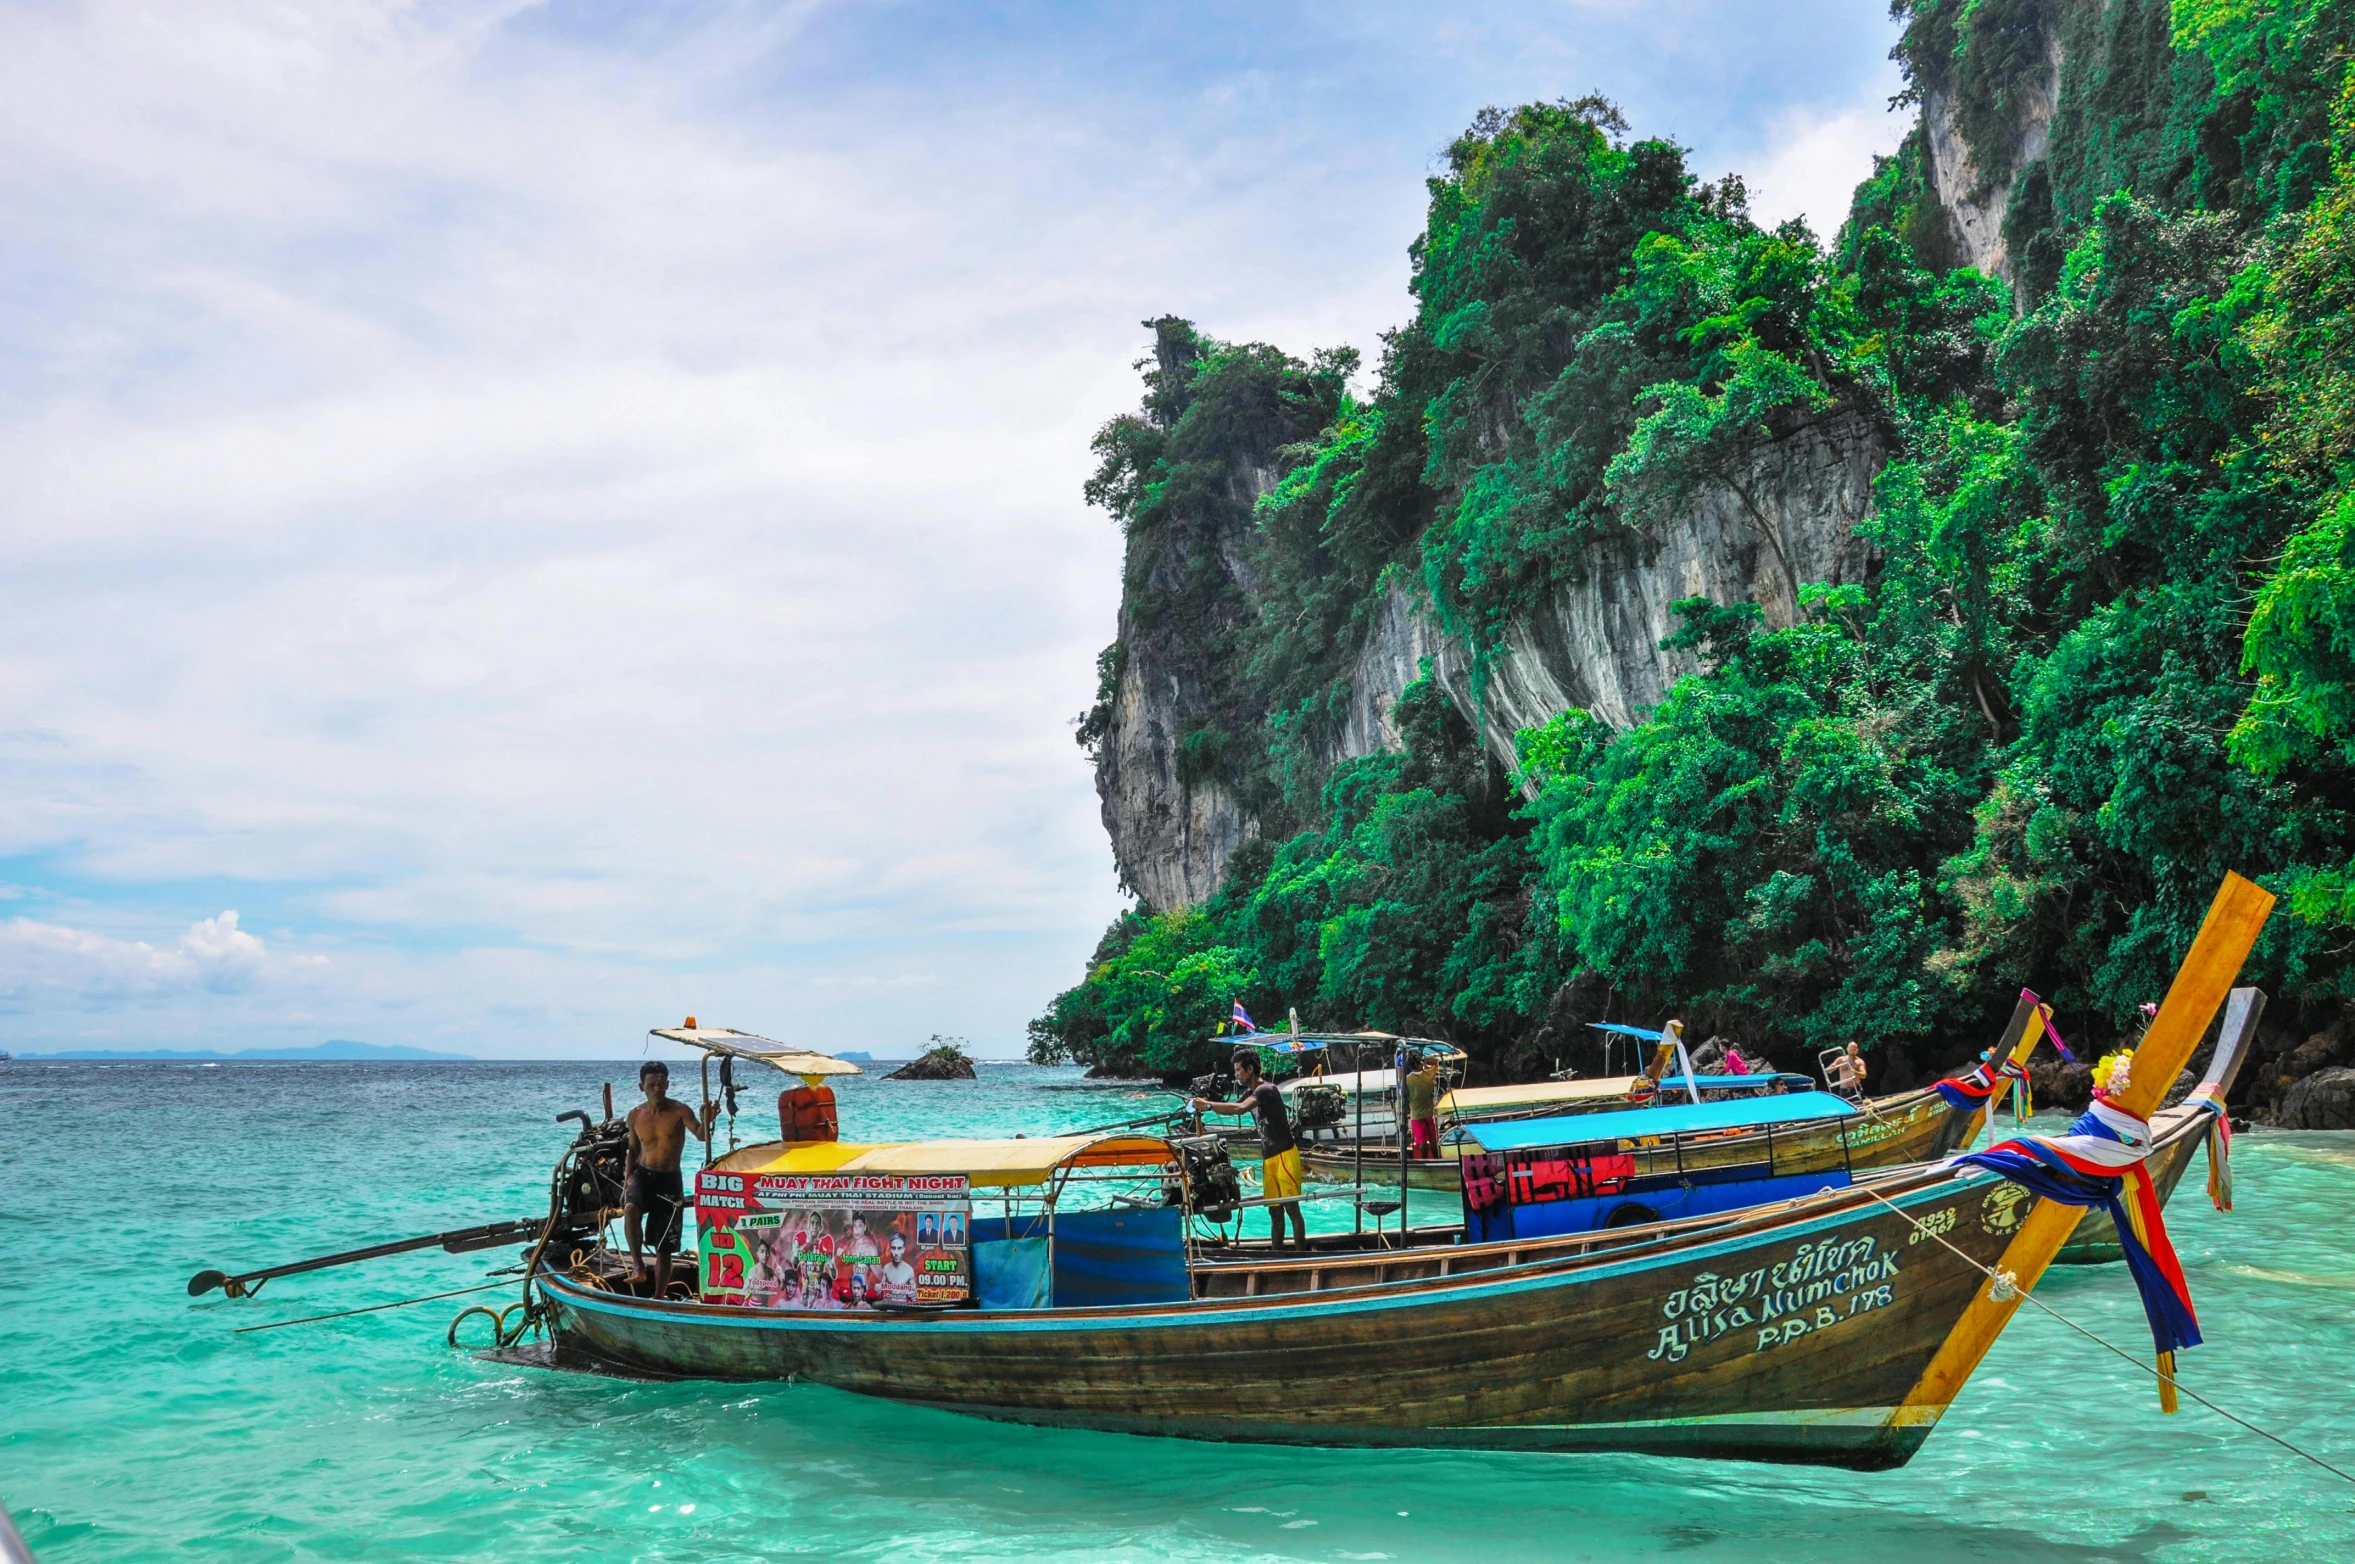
x=374 y=1308
x=2007 y=1286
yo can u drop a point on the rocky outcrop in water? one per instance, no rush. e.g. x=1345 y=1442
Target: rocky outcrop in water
x=945 y=1063
x=2324 y=1100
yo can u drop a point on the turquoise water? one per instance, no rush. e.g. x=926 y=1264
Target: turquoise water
x=135 y=1426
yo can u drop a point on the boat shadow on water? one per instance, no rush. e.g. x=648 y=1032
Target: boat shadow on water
x=1051 y=1487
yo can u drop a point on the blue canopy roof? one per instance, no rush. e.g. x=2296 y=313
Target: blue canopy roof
x=1275 y=1042
x=1676 y=1118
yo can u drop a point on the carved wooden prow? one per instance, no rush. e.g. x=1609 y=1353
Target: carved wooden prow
x=2019 y=1041
x=2226 y=937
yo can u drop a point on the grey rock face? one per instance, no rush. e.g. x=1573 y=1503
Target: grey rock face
x=1595 y=644
x=2324 y=1100
x=1171 y=838
x=1976 y=195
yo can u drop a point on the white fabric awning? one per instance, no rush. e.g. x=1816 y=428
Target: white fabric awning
x=792 y=1058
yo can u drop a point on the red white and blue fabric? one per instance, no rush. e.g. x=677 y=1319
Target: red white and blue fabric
x=1969 y=1089
x=2100 y=1162
x=1242 y=1018
x=1976 y=1084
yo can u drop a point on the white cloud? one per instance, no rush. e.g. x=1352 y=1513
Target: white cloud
x=587 y=528
x=57 y=963
x=1814 y=159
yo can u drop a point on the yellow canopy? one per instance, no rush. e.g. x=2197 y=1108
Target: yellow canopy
x=990 y=1164
x=1487 y=1099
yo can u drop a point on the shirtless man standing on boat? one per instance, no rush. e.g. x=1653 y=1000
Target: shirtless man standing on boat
x=1279 y=1153
x=651 y=1187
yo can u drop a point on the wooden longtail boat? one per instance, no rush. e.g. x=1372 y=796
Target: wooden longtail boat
x=1916 y=1126
x=1833 y=1329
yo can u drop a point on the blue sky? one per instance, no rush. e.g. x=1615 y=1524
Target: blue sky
x=524 y=522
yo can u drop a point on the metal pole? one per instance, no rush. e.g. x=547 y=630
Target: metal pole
x=706 y=1121
x=1401 y=1065
x=1357 y=1168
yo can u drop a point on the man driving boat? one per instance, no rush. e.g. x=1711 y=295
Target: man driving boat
x=1279 y=1153
x=651 y=1186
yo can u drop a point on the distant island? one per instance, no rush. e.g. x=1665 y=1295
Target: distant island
x=334 y=1048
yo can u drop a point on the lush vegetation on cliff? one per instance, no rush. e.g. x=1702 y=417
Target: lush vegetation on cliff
x=2110 y=651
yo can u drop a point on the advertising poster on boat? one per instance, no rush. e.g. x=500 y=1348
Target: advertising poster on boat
x=834 y=1241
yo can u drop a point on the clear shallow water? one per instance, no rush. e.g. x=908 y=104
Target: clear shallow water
x=135 y=1426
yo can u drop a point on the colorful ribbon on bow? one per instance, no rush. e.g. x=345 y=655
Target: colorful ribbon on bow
x=1972 y=1087
x=2051 y=1031
x=2208 y=1096
x=2100 y=1162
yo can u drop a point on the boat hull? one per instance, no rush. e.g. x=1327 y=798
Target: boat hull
x=1793 y=1334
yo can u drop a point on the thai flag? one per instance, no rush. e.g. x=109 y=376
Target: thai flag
x=1242 y=1018
x=2099 y=1162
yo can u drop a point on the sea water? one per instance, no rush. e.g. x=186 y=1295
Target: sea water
x=134 y=1425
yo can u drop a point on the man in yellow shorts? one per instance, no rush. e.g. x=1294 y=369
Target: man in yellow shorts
x=1279 y=1153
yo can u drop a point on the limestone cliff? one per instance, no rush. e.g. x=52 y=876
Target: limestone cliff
x=1175 y=824
x=1974 y=185
x=1596 y=644
x=1172 y=829
x=1177 y=693
x=1184 y=477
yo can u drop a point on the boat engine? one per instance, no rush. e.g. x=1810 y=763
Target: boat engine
x=1319 y=1107
x=1210 y=1176
x=589 y=1179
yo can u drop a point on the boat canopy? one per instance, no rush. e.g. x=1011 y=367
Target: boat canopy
x=1739 y=1113
x=1471 y=1100
x=989 y=1164
x=1374 y=1082
x=1318 y=1042
x=789 y=1057
x=1488 y=1099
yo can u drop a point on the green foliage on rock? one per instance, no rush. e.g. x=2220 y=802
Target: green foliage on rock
x=2109 y=651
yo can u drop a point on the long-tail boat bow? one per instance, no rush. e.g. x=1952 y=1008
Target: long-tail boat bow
x=2097 y=1155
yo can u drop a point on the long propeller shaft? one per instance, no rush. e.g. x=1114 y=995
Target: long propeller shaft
x=461 y=1240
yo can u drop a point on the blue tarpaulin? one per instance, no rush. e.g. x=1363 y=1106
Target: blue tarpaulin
x=1100 y=1257
x=1108 y=1257
x=1761 y=1079
x=1674 y=1119
x=1012 y=1273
